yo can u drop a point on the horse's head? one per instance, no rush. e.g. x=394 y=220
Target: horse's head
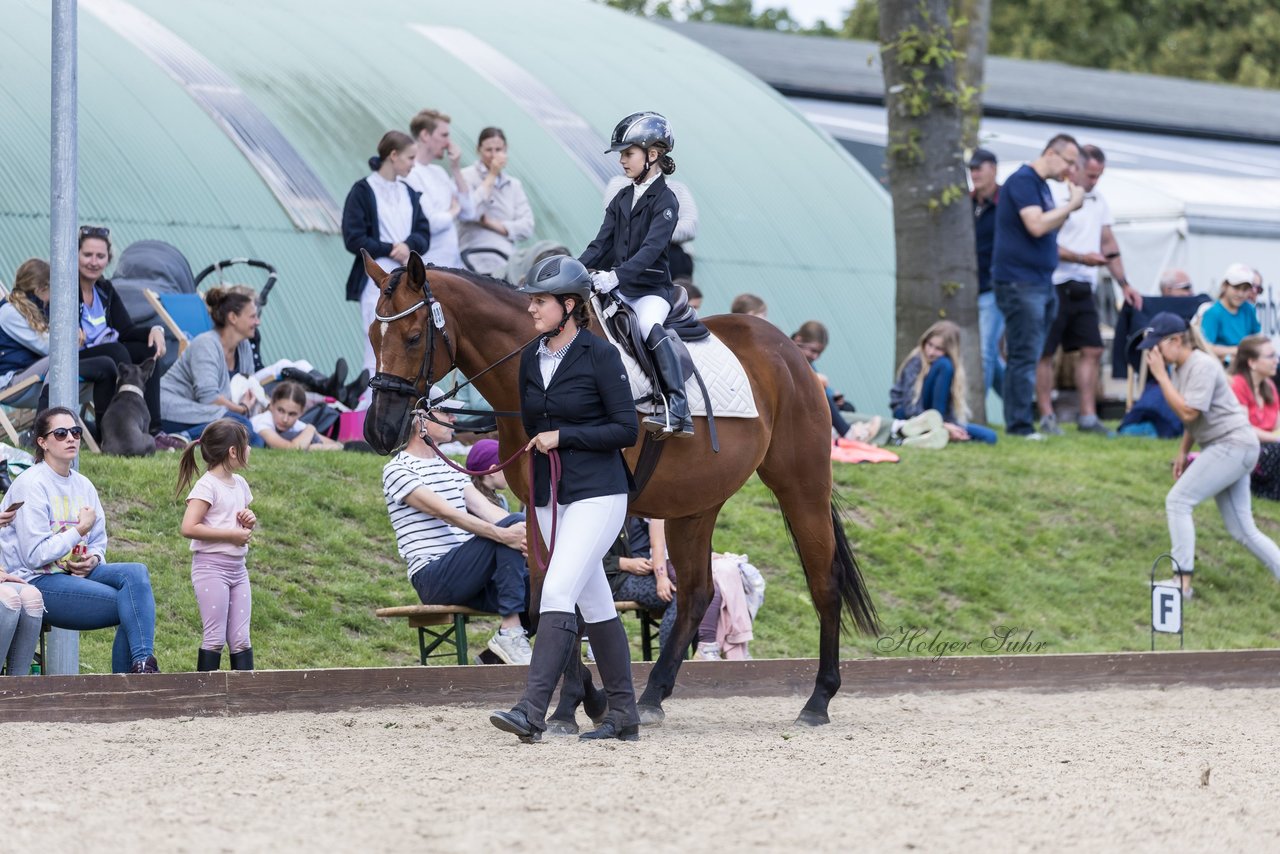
x=411 y=351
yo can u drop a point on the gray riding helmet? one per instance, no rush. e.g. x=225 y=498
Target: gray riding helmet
x=642 y=129
x=559 y=275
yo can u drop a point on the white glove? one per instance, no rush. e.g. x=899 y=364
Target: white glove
x=603 y=282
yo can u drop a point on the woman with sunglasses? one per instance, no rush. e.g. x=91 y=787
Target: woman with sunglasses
x=58 y=543
x=1233 y=316
x=107 y=327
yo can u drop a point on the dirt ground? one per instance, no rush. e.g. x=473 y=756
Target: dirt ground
x=1150 y=770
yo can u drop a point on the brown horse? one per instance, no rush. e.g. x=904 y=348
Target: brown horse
x=435 y=319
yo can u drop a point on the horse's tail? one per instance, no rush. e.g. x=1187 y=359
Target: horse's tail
x=844 y=568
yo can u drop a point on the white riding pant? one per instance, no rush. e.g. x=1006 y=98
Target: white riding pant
x=368 y=310
x=650 y=310
x=585 y=530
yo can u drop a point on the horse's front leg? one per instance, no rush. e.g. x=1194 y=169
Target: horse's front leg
x=689 y=544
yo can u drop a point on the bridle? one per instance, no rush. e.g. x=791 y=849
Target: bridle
x=413 y=389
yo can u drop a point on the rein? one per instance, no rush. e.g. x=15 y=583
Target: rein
x=535 y=539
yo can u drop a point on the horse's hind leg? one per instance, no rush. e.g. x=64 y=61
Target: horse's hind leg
x=806 y=507
x=689 y=545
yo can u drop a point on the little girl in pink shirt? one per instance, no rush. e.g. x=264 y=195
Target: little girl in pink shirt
x=219 y=524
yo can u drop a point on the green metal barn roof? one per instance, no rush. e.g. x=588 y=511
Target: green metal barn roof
x=784 y=212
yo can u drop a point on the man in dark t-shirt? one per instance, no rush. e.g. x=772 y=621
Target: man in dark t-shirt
x=1022 y=264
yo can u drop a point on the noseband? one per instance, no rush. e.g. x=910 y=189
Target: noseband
x=419 y=388
x=385 y=382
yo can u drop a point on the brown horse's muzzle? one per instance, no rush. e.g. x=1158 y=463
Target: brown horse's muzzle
x=386 y=424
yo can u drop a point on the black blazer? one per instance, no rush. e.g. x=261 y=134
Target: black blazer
x=360 y=231
x=589 y=402
x=633 y=243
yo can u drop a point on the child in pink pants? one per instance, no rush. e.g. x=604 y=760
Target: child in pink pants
x=219 y=524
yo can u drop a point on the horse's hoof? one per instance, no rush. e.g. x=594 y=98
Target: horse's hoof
x=808 y=718
x=651 y=715
x=559 y=727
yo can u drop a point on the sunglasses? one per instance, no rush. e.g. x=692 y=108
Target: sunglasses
x=61 y=433
x=95 y=231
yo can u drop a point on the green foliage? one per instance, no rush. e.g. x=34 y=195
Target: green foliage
x=1053 y=538
x=1225 y=41
x=738 y=13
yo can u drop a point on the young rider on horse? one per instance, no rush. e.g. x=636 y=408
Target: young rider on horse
x=630 y=254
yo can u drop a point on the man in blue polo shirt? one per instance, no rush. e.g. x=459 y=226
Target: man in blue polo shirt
x=1022 y=265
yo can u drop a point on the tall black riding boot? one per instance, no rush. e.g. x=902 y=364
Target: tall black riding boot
x=208 y=660
x=336 y=384
x=350 y=394
x=613 y=659
x=242 y=660
x=557 y=641
x=666 y=360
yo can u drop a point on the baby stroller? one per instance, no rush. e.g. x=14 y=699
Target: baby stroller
x=155 y=282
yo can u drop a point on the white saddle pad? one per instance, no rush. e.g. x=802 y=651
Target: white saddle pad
x=727 y=382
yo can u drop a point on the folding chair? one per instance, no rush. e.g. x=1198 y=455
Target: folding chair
x=185 y=315
x=26 y=395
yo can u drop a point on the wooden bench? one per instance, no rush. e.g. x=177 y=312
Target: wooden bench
x=446 y=626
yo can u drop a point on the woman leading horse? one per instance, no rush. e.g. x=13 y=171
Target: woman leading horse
x=429 y=322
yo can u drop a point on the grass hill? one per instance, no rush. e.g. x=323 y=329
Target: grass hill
x=1055 y=539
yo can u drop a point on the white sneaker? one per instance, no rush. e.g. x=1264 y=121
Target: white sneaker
x=511 y=645
x=708 y=651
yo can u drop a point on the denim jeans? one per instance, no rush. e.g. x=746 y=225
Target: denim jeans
x=935 y=393
x=990 y=330
x=114 y=594
x=193 y=431
x=480 y=574
x=1221 y=470
x=1029 y=309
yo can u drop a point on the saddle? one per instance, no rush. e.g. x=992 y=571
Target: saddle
x=682 y=320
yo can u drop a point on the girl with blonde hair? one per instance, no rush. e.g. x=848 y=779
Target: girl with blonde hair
x=932 y=377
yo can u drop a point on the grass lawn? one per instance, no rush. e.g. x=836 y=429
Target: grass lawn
x=1055 y=539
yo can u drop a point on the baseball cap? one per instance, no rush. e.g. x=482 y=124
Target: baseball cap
x=439 y=394
x=1238 y=274
x=980 y=156
x=1163 y=325
x=483 y=455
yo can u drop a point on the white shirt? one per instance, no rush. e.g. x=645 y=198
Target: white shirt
x=438 y=191
x=395 y=214
x=420 y=537
x=1081 y=233
x=548 y=361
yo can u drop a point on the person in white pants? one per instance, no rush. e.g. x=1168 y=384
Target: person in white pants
x=575 y=401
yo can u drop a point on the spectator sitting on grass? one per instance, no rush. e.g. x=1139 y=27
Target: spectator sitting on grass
x=932 y=377
x=280 y=426
x=812 y=340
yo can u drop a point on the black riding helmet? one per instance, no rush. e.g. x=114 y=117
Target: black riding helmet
x=642 y=129
x=560 y=276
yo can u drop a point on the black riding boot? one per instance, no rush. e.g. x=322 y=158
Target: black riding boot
x=349 y=396
x=557 y=642
x=613 y=659
x=336 y=384
x=666 y=360
x=208 y=660
x=242 y=660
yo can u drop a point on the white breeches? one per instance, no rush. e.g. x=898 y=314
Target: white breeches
x=650 y=310
x=584 y=532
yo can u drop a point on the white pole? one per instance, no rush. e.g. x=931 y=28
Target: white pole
x=64 y=385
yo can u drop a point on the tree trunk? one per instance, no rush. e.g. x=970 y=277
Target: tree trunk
x=937 y=271
x=971 y=40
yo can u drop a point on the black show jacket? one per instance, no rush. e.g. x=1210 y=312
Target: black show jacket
x=633 y=243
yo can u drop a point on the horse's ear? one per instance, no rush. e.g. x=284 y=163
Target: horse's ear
x=374 y=272
x=417 y=272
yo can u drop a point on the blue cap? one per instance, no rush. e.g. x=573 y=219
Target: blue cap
x=1163 y=325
